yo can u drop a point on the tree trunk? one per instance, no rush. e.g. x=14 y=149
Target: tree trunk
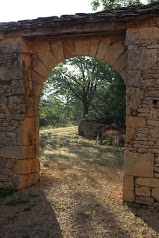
x=85 y=109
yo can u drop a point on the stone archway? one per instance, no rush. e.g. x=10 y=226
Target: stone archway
x=128 y=39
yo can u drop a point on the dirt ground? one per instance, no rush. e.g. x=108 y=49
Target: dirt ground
x=79 y=195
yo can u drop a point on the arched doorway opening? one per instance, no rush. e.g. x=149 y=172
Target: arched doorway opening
x=46 y=56
x=69 y=157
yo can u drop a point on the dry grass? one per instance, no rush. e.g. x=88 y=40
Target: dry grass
x=79 y=196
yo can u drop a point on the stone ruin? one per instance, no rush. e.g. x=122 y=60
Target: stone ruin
x=127 y=39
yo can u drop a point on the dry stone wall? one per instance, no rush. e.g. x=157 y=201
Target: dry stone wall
x=141 y=168
x=18 y=164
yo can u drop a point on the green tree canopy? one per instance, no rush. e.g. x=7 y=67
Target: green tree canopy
x=110 y=4
x=80 y=77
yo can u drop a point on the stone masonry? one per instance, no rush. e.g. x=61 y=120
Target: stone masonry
x=126 y=38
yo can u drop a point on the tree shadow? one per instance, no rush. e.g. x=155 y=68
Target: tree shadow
x=147 y=214
x=28 y=213
x=93 y=219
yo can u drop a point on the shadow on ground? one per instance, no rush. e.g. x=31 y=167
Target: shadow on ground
x=27 y=214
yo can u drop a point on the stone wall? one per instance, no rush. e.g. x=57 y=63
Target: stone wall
x=19 y=166
x=141 y=168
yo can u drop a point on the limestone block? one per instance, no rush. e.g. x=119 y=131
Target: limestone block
x=145 y=200
x=36 y=166
x=148 y=83
x=134 y=97
x=57 y=51
x=14 y=152
x=37 y=89
x=121 y=62
x=38 y=78
x=39 y=67
x=4 y=178
x=134 y=78
x=148 y=182
x=130 y=134
x=103 y=48
x=128 y=188
x=93 y=47
x=156 y=169
x=82 y=47
x=155 y=193
x=157 y=160
x=44 y=49
x=25 y=133
x=17 y=87
x=69 y=49
x=136 y=164
x=140 y=35
x=23 y=181
x=7 y=163
x=154 y=123
x=135 y=122
x=23 y=166
x=144 y=58
x=16 y=104
x=11 y=67
x=115 y=51
x=5 y=171
x=142 y=191
x=124 y=75
x=14 y=45
x=32 y=179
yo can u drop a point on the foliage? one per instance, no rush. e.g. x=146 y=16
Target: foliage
x=152 y=1
x=110 y=4
x=80 y=77
x=110 y=102
x=82 y=84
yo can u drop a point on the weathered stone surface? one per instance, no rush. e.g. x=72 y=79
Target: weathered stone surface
x=82 y=47
x=23 y=181
x=136 y=164
x=135 y=122
x=148 y=182
x=144 y=200
x=57 y=48
x=23 y=166
x=141 y=56
x=15 y=152
x=115 y=51
x=155 y=193
x=157 y=160
x=139 y=35
x=156 y=169
x=128 y=188
x=102 y=49
x=154 y=123
x=142 y=191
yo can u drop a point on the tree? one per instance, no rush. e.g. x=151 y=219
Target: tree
x=80 y=77
x=109 y=105
x=110 y=4
x=152 y=1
